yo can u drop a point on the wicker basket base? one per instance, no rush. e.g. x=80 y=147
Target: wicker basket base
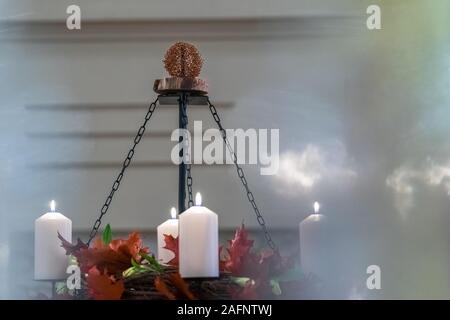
x=141 y=286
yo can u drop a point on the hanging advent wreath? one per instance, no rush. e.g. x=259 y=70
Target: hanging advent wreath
x=126 y=269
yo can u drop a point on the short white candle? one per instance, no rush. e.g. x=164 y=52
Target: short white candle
x=169 y=227
x=199 y=242
x=314 y=236
x=50 y=260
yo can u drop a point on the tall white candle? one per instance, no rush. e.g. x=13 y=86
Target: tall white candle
x=50 y=260
x=199 y=242
x=314 y=243
x=169 y=227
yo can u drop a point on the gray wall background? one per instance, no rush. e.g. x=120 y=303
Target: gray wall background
x=363 y=118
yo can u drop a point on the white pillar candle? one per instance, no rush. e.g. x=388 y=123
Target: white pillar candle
x=314 y=244
x=199 y=242
x=50 y=260
x=169 y=227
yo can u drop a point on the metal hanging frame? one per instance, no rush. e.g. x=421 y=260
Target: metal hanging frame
x=183 y=98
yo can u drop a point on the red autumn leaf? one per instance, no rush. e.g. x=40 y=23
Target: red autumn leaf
x=172 y=245
x=162 y=288
x=181 y=285
x=276 y=264
x=72 y=249
x=238 y=251
x=114 y=258
x=105 y=259
x=132 y=247
x=261 y=266
x=104 y=287
x=242 y=261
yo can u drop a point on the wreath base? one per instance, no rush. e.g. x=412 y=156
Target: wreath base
x=141 y=286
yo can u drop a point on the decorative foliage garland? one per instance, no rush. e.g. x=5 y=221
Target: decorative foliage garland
x=125 y=269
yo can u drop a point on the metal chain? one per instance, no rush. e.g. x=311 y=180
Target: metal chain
x=187 y=157
x=125 y=165
x=241 y=175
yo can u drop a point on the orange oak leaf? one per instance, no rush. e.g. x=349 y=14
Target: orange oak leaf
x=162 y=288
x=172 y=245
x=104 y=287
x=181 y=285
x=113 y=258
x=132 y=247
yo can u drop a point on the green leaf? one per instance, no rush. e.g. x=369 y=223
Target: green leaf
x=241 y=281
x=132 y=270
x=275 y=287
x=61 y=288
x=73 y=261
x=135 y=264
x=129 y=272
x=107 y=235
x=153 y=263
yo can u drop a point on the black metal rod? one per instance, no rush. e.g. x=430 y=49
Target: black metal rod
x=182 y=108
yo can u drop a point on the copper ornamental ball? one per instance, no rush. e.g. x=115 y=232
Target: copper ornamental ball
x=183 y=62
